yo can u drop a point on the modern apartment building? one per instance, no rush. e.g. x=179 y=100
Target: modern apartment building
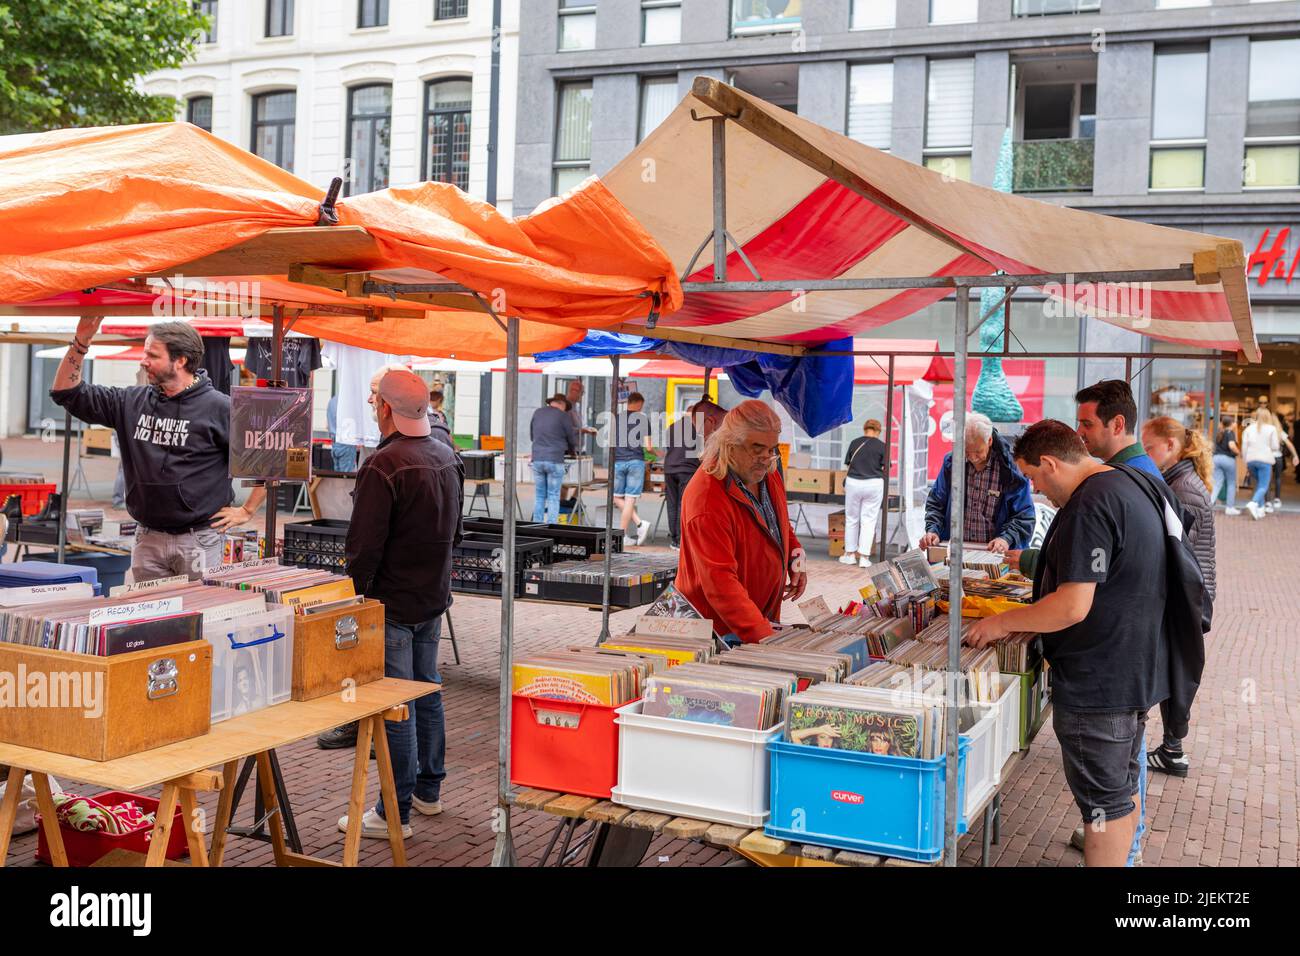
x=1179 y=112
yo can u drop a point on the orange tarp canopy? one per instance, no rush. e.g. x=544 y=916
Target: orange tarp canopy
x=88 y=207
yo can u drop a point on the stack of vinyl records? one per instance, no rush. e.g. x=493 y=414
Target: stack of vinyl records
x=866 y=720
x=980 y=665
x=305 y=590
x=672 y=650
x=583 y=676
x=811 y=667
x=1017 y=652
x=1011 y=588
x=881 y=634
x=724 y=696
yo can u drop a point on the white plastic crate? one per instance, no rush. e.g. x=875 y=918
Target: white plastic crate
x=252 y=661
x=690 y=769
x=1008 y=706
x=983 y=768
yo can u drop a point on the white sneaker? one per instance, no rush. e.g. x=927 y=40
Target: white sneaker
x=373 y=826
x=1255 y=510
x=642 y=532
x=1232 y=512
x=1268 y=509
x=429 y=808
x=864 y=563
x=849 y=559
x=1277 y=503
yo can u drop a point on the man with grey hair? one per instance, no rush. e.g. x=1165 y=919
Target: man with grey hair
x=999 y=509
x=174 y=437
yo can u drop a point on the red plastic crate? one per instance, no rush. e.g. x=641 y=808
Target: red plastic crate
x=33 y=496
x=84 y=847
x=563 y=746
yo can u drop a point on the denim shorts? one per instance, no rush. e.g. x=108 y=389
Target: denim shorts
x=629 y=478
x=1103 y=754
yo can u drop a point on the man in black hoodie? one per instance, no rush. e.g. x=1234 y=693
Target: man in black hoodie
x=174 y=436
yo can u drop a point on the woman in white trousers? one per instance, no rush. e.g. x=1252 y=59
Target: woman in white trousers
x=864 y=491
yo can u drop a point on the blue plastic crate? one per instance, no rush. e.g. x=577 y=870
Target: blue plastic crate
x=893 y=806
x=43 y=570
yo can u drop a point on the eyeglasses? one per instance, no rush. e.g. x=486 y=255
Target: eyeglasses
x=761 y=452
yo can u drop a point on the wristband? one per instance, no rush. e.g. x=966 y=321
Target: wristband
x=84 y=347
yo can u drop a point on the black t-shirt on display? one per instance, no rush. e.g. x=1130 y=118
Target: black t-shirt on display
x=866 y=458
x=299 y=357
x=1117 y=658
x=1221 y=443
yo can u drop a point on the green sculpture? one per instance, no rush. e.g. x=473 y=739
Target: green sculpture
x=993 y=395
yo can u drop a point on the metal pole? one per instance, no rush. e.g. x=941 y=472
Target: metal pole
x=277 y=348
x=63 y=498
x=957 y=524
x=494 y=106
x=503 y=853
x=719 y=199
x=889 y=468
x=609 y=504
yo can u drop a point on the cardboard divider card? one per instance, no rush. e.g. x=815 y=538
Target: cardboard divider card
x=40 y=593
x=674 y=627
x=124 y=589
x=131 y=612
x=814 y=608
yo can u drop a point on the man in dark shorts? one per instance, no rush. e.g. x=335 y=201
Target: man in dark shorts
x=1099 y=602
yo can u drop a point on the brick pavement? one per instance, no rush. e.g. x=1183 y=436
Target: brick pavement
x=1239 y=806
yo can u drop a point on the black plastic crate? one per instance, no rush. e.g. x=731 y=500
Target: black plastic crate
x=476 y=562
x=578 y=542
x=317 y=544
x=479 y=464
x=591 y=593
x=494 y=526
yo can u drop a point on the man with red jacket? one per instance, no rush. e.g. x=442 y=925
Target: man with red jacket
x=740 y=557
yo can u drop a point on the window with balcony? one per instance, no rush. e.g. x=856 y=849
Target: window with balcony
x=1055 y=151
x=577 y=25
x=871 y=104
x=1273 y=116
x=1049 y=8
x=447 y=131
x=873 y=15
x=1178 y=120
x=949 y=112
x=372 y=13
x=954 y=11
x=370 y=113
x=273 y=127
x=661 y=22
x=279 y=18
x=572 y=136
x=750 y=17
x=450 y=9
x=209 y=9
x=658 y=97
x=198 y=110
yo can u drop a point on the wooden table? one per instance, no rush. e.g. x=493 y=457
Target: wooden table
x=182 y=768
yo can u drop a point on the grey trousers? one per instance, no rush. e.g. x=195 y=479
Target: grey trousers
x=158 y=554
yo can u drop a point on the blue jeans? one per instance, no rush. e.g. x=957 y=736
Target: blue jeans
x=1261 y=471
x=344 y=456
x=418 y=746
x=629 y=478
x=1225 y=476
x=1141 y=830
x=548 y=476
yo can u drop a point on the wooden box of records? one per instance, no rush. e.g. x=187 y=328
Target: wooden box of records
x=104 y=707
x=335 y=646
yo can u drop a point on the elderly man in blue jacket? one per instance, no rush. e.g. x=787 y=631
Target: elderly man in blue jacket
x=999 y=508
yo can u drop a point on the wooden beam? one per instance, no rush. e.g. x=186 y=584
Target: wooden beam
x=275 y=251
x=534 y=799
x=1205 y=264
x=571 y=805
x=607 y=812
x=1231 y=261
x=647 y=820
x=703 y=338
x=200 y=780
x=723 y=835
x=684 y=828
x=726 y=100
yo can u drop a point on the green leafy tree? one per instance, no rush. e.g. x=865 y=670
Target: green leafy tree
x=75 y=62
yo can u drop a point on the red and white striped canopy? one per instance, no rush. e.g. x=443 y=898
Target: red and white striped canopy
x=806 y=203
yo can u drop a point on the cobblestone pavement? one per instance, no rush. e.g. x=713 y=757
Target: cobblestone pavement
x=1237 y=808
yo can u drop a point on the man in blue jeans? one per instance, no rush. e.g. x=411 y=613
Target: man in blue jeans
x=405 y=521
x=630 y=436
x=554 y=436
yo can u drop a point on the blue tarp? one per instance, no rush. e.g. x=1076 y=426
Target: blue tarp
x=817 y=392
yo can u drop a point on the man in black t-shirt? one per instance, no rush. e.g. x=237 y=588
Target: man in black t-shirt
x=1099 y=602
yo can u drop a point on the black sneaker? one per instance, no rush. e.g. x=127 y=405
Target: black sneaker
x=1164 y=760
x=338 y=738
